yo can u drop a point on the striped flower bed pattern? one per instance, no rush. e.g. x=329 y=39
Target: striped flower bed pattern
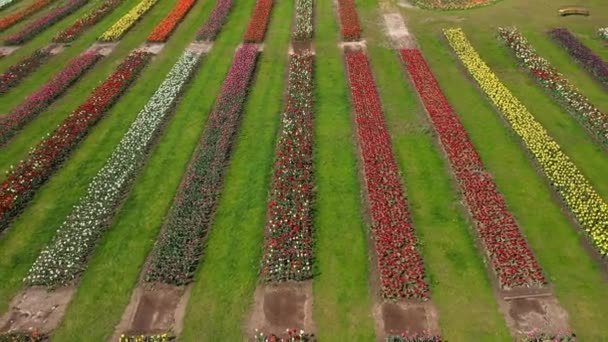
x=560 y=88
x=23 y=181
x=21 y=70
x=507 y=250
x=349 y=20
x=401 y=267
x=46 y=95
x=85 y=22
x=216 y=20
x=65 y=258
x=593 y=63
x=304 y=18
x=589 y=209
x=288 y=245
x=127 y=21
x=179 y=248
x=259 y=21
x=16 y=17
x=44 y=22
x=162 y=31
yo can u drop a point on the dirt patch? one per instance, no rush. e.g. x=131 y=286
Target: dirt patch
x=398 y=32
x=7 y=50
x=259 y=45
x=103 y=48
x=353 y=46
x=413 y=317
x=301 y=48
x=154 y=48
x=200 y=47
x=56 y=48
x=529 y=315
x=37 y=309
x=405 y=4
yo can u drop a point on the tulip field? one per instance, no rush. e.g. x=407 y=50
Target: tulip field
x=303 y=170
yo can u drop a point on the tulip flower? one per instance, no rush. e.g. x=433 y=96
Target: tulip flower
x=87 y=21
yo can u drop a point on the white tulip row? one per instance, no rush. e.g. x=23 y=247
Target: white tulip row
x=65 y=258
x=5 y=2
x=603 y=32
x=304 y=18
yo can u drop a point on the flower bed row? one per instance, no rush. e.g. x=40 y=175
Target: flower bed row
x=452 y=4
x=179 y=248
x=22 y=182
x=6 y=3
x=66 y=257
x=88 y=20
x=44 y=22
x=46 y=95
x=304 y=20
x=23 y=337
x=18 y=16
x=288 y=245
x=147 y=338
x=349 y=20
x=127 y=21
x=593 y=63
x=215 y=21
x=603 y=32
x=507 y=250
x=400 y=265
x=589 y=209
x=162 y=31
x=21 y=70
x=414 y=338
x=256 y=30
x=292 y=336
x=560 y=88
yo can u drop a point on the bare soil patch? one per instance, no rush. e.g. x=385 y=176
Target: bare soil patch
x=533 y=314
x=413 y=317
x=7 y=50
x=398 y=32
x=200 y=47
x=300 y=48
x=353 y=46
x=405 y=4
x=103 y=48
x=154 y=48
x=259 y=45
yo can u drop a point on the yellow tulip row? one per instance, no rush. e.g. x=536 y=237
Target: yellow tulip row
x=589 y=209
x=127 y=21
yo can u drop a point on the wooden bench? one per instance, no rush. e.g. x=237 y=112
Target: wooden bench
x=573 y=10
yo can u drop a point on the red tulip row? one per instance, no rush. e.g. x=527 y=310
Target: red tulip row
x=44 y=22
x=22 y=69
x=87 y=21
x=162 y=31
x=349 y=20
x=23 y=181
x=215 y=21
x=46 y=95
x=401 y=267
x=16 y=17
x=506 y=248
x=259 y=21
x=288 y=253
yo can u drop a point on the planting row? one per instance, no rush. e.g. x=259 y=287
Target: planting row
x=304 y=20
x=46 y=95
x=5 y=3
x=589 y=209
x=45 y=21
x=215 y=21
x=127 y=21
x=85 y=22
x=507 y=250
x=593 y=63
x=22 y=182
x=147 y=338
x=561 y=89
x=18 y=16
x=63 y=260
x=179 y=247
x=452 y=4
x=259 y=21
x=162 y=31
x=16 y=73
x=603 y=32
x=400 y=265
x=288 y=245
x=349 y=20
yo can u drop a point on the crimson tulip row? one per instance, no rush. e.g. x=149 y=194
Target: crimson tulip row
x=179 y=248
x=593 y=63
x=21 y=14
x=507 y=250
x=400 y=264
x=23 y=181
x=46 y=95
x=21 y=70
x=256 y=30
x=288 y=246
x=44 y=22
x=162 y=31
x=349 y=20
x=85 y=22
x=215 y=21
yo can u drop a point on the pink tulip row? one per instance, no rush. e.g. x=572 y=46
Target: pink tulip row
x=21 y=70
x=216 y=20
x=88 y=20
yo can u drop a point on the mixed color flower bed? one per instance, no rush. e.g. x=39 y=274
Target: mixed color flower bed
x=46 y=95
x=87 y=21
x=21 y=14
x=292 y=336
x=413 y=338
x=31 y=30
x=147 y=338
x=452 y=4
x=22 y=181
x=16 y=73
x=560 y=88
x=304 y=20
x=288 y=245
x=586 y=205
x=603 y=32
x=126 y=22
x=23 y=337
x=162 y=31
x=543 y=337
x=179 y=248
x=259 y=22
x=593 y=63
x=400 y=265
x=507 y=250
x=216 y=20
x=66 y=256
x=349 y=20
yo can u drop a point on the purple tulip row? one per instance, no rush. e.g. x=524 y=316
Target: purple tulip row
x=216 y=20
x=22 y=69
